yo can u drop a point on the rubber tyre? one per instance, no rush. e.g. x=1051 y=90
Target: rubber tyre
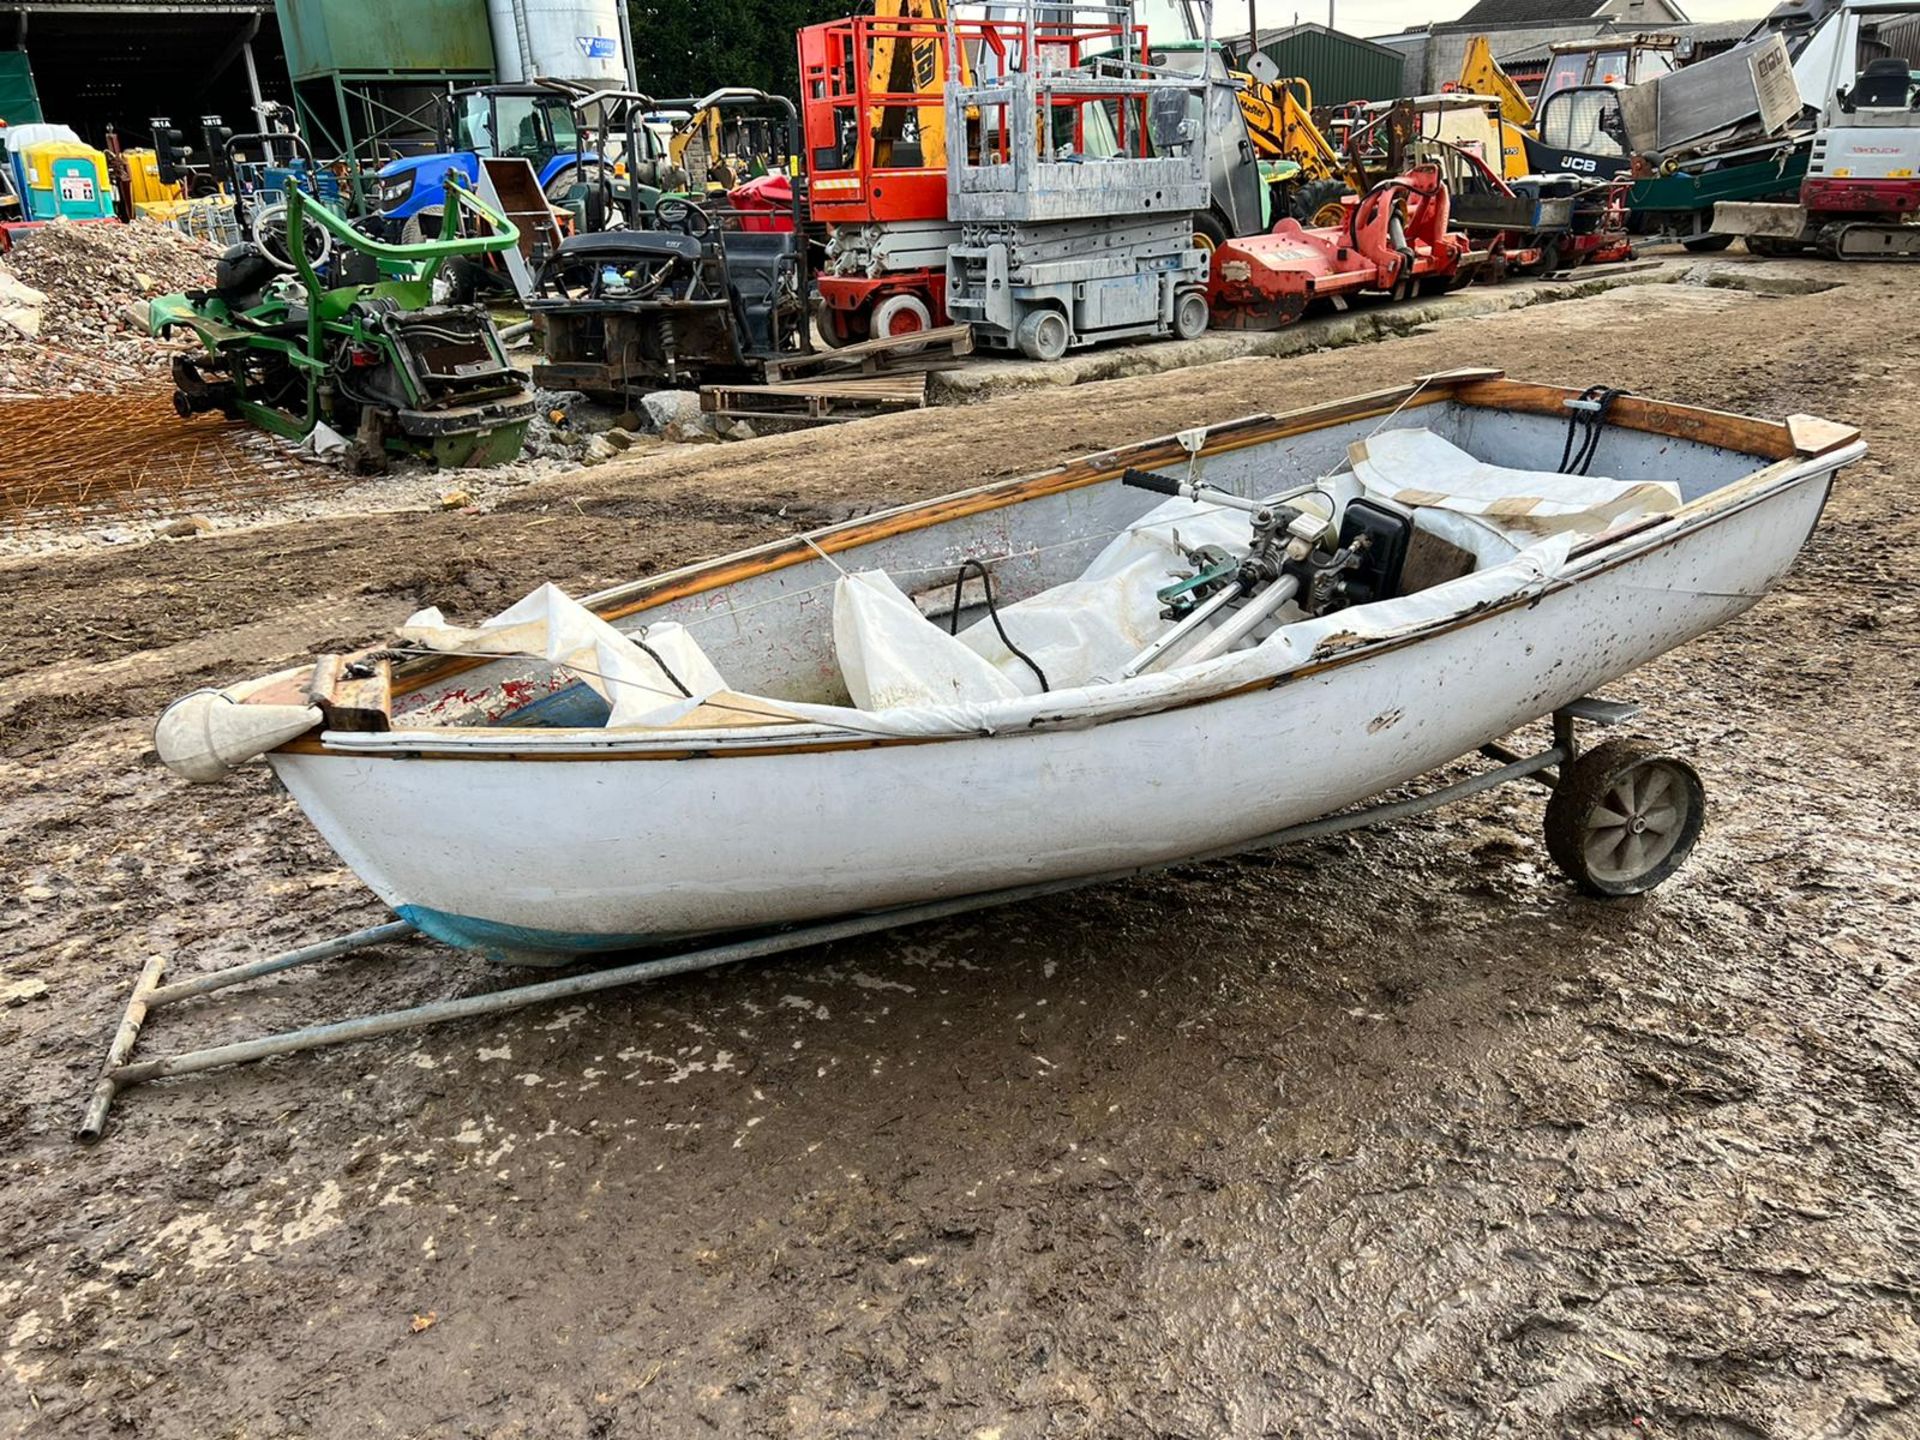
x=1209 y=232
x=1626 y=789
x=416 y=231
x=901 y=315
x=830 y=338
x=1043 y=335
x=1548 y=262
x=1316 y=197
x=1190 y=315
x=1706 y=244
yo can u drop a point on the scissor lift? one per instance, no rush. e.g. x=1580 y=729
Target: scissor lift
x=876 y=145
x=1075 y=192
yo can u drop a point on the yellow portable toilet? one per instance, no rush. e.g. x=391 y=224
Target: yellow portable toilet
x=143 y=180
x=66 y=177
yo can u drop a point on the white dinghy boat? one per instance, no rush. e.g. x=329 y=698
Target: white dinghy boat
x=1162 y=652
x=1181 y=649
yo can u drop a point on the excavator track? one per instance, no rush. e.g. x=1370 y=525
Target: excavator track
x=1866 y=240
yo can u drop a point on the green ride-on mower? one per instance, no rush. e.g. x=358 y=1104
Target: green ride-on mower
x=292 y=343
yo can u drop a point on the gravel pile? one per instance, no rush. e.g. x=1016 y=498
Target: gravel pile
x=91 y=276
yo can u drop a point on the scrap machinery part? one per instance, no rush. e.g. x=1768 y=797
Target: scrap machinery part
x=705 y=293
x=1394 y=239
x=289 y=343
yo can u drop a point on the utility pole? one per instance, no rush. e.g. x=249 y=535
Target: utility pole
x=1253 y=28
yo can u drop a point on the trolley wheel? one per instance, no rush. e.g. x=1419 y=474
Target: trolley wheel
x=902 y=315
x=1190 y=315
x=183 y=405
x=1043 y=335
x=1548 y=262
x=1624 y=817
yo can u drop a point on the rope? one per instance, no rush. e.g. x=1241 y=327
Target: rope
x=1576 y=462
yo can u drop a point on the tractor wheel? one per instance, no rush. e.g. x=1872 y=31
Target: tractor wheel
x=422 y=226
x=1317 y=206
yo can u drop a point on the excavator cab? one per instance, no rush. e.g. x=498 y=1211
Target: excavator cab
x=1886 y=84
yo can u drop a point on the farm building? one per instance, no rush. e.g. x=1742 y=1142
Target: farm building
x=1339 y=67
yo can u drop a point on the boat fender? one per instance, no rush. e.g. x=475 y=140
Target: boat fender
x=206 y=735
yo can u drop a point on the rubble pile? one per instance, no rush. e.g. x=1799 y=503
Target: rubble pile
x=82 y=336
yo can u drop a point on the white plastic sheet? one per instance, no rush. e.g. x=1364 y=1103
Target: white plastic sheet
x=1083 y=631
x=1286 y=649
x=1419 y=469
x=21 y=306
x=551 y=624
x=893 y=656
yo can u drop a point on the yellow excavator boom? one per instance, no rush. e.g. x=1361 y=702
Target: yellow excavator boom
x=1279 y=120
x=911 y=64
x=1480 y=74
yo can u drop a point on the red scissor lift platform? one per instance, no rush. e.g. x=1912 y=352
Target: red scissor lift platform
x=874 y=127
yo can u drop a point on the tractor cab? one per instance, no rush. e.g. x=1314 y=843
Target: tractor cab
x=1611 y=62
x=1578 y=127
x=525 y=122
x=560 y=130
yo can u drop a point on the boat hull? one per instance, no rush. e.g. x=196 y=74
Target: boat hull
x=538 y=858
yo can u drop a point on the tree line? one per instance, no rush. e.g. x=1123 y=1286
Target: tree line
x=689 y=47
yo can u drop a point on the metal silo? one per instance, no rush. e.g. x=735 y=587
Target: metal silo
x=582 y=40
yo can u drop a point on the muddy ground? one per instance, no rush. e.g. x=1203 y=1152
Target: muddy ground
x=1391 y=1135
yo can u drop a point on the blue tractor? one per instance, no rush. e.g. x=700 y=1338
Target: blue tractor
x=538 y=121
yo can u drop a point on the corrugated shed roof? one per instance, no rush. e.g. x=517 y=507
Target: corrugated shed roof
x=1498 y=14
x=1270 y=38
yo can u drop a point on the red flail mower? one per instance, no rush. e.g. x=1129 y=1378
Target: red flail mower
x=1394 y=243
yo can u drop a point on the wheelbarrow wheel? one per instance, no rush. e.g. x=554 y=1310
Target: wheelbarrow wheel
x=1624 y=817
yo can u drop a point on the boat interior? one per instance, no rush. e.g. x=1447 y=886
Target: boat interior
x=1066 y=579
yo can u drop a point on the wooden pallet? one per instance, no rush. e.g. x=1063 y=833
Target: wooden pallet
x=937 y=349
x=818 y=401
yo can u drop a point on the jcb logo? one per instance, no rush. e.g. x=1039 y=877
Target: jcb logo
x=926 y=65
x=1579 y=162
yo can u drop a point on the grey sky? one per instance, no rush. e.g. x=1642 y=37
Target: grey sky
x=1380 y=17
